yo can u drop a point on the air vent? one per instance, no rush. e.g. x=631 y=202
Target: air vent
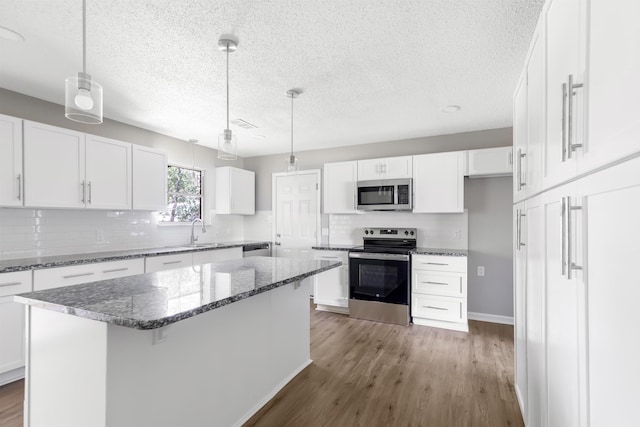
x=243 y=124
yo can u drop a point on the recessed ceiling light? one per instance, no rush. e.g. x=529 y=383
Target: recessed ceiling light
x=8 y=34
x=451 y=109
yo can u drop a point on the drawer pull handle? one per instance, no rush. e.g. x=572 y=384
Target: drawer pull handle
x=436 y=263
x=435 y=308
x=3 y=285
x=436 y=283
x=171 y=262
x=115 y=269
x=71 y=276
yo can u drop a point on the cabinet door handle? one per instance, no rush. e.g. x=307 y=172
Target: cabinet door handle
x=570 y=264
x=564 y=122
x=89 y=198
x=510 y=157
x=83 y=191
x=564 y=234
x=518 y=229
x=113 y=270
x=19 y=186
x=71 y=276
x=435 y=308
x=435 y=263
x=520 y=242
x=571 y=147
x=4 y=285
x=521 y=182
x=171 y=262
x=437 y=283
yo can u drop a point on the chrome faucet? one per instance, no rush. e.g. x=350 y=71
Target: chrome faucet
x=194 y=238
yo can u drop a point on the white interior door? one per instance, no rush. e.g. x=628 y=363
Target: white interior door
x=296 y=213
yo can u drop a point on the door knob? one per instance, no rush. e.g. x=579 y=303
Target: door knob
x=277 y=243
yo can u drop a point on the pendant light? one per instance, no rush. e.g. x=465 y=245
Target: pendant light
x=83 y=96
x=227 y=141
x=292 y=162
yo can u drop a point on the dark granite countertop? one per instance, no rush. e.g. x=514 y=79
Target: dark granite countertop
x=10 y=265
x=441 y=252
x=336 y=247
x=154 y=300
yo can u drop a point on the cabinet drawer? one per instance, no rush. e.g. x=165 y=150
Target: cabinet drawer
x=434 y=283
x=64 y=276
x=167 y=262
x=115 y=269
x=15 y=283
x=437 y=308
x=331 y=256
x=439 y=263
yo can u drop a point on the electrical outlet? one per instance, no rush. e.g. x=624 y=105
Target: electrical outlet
x=99 y=235
x=480 y=271
x=456 y=234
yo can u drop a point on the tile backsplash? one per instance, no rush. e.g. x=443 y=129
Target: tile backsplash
x=26 y=233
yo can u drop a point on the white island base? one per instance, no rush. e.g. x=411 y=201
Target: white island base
x=215 y=369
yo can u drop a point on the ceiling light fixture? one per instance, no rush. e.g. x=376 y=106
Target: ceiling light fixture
x=292 y=162
x=227 y=141
x=83 y=96
x=451 y=109
x=9 y=34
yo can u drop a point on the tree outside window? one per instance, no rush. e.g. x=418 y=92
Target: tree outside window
x=184 y=195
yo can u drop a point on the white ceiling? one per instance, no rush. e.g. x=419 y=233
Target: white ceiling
x=371 y=70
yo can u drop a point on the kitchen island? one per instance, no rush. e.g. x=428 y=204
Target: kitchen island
x=206 y=345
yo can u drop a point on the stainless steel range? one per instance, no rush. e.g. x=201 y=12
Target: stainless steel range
x=380 y=275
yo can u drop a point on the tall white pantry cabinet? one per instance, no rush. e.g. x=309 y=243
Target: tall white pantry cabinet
x=576 y=210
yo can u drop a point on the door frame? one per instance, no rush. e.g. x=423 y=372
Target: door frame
x=274 y=176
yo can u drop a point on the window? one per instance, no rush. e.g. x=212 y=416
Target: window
x=184 y=195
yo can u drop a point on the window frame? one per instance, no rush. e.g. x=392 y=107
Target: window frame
x=201 y=195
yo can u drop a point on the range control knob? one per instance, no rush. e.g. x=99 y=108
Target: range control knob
x=366 y=231
x=412 y=233
x=370 y=231
x=406 y=233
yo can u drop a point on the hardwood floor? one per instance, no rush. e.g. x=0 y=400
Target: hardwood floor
x=374 y=374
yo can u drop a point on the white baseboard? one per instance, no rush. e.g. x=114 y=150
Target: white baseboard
x=271 y=394
x=11 y=376
x=492 y=318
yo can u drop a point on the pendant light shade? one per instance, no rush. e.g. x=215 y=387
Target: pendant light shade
x=293 y=165
x=83 y=96
x=227 y=141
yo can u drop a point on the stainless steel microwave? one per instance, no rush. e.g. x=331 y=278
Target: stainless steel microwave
x=385 y=195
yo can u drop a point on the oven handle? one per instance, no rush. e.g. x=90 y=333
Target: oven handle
x=384 y=257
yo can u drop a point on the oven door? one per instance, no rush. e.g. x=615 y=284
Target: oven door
x=379 y=277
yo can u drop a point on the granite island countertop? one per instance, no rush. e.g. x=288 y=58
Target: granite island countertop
x=10 y=265
x=153 y=300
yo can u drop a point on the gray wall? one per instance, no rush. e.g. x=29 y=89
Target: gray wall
x=488 y=200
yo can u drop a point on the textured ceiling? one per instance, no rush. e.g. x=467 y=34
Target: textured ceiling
x=370 y=70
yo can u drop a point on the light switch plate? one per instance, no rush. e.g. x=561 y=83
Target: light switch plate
x=480 y=271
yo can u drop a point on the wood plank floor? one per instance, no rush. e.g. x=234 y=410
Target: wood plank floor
x=374 y=374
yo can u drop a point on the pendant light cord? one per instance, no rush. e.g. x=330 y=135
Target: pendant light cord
x=292 y=124
x=227 y=85
x=84 y=36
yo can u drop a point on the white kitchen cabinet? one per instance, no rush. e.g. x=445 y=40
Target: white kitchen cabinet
x=535 y=114
x=339 y=187
x=215 y=255
x=490 y=162
x=331 y=288
x=12 y=325
x=564 y=61
x=54 y=166
x=168 y=262
x=439 y=291
x=520 y=139
x=520 y=306
x=108 y=173
x=149 y=179
x=438 y=182
x=57 y=277
x=11 y=176
x=385 y=168
x=235 y=191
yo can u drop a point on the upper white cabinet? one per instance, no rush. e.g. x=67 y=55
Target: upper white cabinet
x=235 y=191
x=438 y=182
x=520 y=139
x=386 y=168
x=11 y=176
x=490 y=162
x=108 y=173
x=339 y=187
x=68 y=169
x=54 y=166
x=535 y=116
x=149 y=179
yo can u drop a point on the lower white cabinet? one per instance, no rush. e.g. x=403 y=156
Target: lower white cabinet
x=12 y=327
x=331 y=288
x=439 y=291
x=58 y=277
x=438 y=182
x=215 y=255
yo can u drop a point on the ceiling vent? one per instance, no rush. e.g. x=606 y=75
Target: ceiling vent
x=243 y=124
